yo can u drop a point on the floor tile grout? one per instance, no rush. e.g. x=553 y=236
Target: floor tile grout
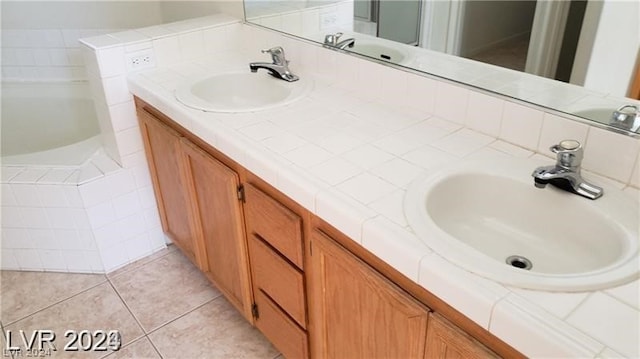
x=184 y=314
x=60 y=301
x=109 y=276
x=144 y=333
x=154 y=346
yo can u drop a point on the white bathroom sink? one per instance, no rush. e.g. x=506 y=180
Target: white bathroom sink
x=482 y=214
x=380 y=51
x=241 y=91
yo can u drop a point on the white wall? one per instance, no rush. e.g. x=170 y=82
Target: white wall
x=605 y=59
x=184 y=9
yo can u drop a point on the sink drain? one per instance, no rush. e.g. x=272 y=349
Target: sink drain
x=519 y=262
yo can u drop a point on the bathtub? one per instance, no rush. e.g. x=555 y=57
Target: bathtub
x=48 y=124
x=50 y=139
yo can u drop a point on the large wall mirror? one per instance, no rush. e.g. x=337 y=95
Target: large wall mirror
x=580 y=57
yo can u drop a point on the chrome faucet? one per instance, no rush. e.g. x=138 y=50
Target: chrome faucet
x=626 y=117
x=332 y=41
x=565 y=174
x=280 y=66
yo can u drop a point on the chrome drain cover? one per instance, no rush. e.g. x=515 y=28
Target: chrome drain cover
x=519 y=262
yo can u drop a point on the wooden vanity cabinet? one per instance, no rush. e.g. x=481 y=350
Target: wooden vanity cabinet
x=218 y=223
x=446 y=341
x=311 y=290
x=162 y=146
x=199 y=206
x=275 y=235
x=358 y=313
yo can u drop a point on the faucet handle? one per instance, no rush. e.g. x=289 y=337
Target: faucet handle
x=569 y=154
x=277 y=55
x=566 y=145
x=332 y=39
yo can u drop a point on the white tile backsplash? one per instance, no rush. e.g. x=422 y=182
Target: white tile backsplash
x=556 y=129
x=521 y=125
x=484 y=113
x=610 y=154
x=451 y=102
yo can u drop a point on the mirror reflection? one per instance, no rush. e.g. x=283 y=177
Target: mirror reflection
x=579 y=57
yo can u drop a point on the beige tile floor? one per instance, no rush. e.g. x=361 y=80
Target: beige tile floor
x=162 y=306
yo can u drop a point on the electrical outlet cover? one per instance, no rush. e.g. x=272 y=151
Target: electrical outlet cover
x=140 y=60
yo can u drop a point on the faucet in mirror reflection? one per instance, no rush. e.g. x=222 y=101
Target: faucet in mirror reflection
x=332 y=40
x=627 y=118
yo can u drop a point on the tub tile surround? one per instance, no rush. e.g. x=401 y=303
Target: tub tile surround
x=361 y=188
x=82 y=219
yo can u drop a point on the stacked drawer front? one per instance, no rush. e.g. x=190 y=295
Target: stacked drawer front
x=276 y=255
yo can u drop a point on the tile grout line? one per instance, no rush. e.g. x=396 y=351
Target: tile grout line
x=128 y=309
x=169 y=251
x=154 y=346
x=58 y=302
x=184 y=314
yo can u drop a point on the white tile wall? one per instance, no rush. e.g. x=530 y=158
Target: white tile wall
x=44 y=55
x=521 y=125
x=52 y=223
x=611 y=154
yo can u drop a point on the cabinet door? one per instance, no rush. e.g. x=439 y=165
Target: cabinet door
x=162 y=146
x=218 y=220
x=444 y=340
x=356 y=312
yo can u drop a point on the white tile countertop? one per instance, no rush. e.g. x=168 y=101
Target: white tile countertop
x=349 y=159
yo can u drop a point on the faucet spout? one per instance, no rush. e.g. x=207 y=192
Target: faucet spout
x=565 y=174
x=346 y=43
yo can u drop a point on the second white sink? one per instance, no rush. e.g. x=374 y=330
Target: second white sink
x=490 y=219
x=241 y=91
x=380 y=51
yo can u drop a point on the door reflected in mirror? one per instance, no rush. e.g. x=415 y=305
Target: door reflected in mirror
x=570 y=56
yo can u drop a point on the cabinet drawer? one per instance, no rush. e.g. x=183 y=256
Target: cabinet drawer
x=275 y=223
x=281 y=331
x=278 y=279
